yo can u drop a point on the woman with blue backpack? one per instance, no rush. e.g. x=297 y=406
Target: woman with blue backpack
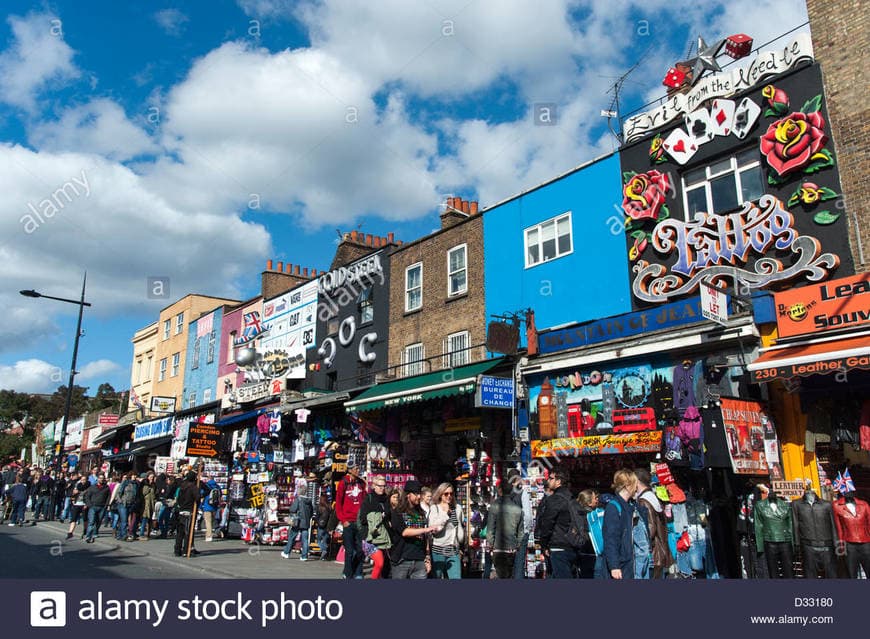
x=618 y=526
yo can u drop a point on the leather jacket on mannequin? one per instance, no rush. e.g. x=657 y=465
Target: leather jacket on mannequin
x=816 y=531
x=852 y=528
x=773 y=521
x=852 y=517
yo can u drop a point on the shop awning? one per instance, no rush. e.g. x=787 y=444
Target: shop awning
x=456 y=381
x=237 y=417
x=149 y=444
x=318 y=400
x=812 y=358
x=108 y=434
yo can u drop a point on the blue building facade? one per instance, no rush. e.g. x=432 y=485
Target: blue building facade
x=559 y=248
x=203 y=357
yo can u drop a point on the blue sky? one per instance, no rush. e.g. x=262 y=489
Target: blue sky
x=197 y=140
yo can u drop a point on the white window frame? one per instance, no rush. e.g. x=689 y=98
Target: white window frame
x=191 y=399
x=212 y=341
x=735 y=169
x=167 y=327
x=197 y=347
x=414 y=366
x=456 y=357
x=179 y=323
x=206 y=396
x=163 y=365
x=409 y=290
x=176 y=364
x=148 y=370
x=464 y=289
x=139 y=371
x=538 y=228
x=365 y=302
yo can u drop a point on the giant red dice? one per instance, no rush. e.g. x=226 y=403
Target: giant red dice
x=738 y=45
x=674 y=78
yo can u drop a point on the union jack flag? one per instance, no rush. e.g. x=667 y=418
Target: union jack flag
x=844 y=483
x=135 y=399
x=253 y=328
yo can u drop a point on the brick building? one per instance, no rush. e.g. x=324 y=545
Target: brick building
x=437 y=302
x=841 y=38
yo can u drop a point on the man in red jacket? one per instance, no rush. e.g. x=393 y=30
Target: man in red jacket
x=348 y=498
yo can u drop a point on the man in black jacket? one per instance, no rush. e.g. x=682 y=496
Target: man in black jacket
x=555 y=522
x=188 y=497
x=96 y=499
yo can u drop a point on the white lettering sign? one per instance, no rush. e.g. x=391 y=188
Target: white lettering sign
x=766 y=64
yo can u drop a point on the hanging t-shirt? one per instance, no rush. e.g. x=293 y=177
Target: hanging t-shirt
x=302 y=415
x=298 y=450
x=274 y=422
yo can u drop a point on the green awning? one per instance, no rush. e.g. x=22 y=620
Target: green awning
x=451 y=381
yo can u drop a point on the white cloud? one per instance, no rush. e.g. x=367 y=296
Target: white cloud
x=99 y=127
x=298 y=130
x=172 y=21
x=267 y=8
x=119 y=230
x=97 y=369
x=31 y=376
x=38 y=58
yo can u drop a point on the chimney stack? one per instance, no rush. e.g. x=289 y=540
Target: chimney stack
x=298 y=271
x=305 y=272
x=390 y=237
x=473 y=207
x=268 y=265
x=280 y=266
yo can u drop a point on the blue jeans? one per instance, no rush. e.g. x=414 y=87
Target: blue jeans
x=520 y=559
x=565 y=563
x=67 y=503
x=163 y=520
x=694 y=559
x=323 y=541
x=291 y=539
x=350 y=538
x=601 y=568
x=43 y=506
x=121 y=529
x=19 y=512
x=95 y=518
x=642 y=559
x=446 y=566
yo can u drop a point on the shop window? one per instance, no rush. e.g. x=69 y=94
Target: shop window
x=412 y=360
x=212 y=338
x=724 y=185
x=414 y=287
x=457 y=270
x=206 y=396
x=176 y=364
x=167 y=325
x=179 y=323
x=456 y=350
x=162 y=375
x=366 y=308
x=196 y=349
x=548 y=240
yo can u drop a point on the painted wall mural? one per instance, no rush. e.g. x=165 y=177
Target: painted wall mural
x=744 y=192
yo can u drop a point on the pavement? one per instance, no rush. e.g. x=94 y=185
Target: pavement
x=44 y=551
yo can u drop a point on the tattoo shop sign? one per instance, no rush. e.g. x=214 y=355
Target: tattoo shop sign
x=734 y=246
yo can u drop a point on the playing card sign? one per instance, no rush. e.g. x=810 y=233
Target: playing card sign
x=745 y=116
x=680 y=146
x=722 y=116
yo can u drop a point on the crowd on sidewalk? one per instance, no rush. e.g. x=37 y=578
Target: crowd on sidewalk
x=133 y=507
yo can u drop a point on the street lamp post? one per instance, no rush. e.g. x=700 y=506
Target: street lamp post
x=58 y=449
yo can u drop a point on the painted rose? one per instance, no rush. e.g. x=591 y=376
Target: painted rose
x=777 y=99
x=809 y=193
x=656 y=150
x=791 y=142
x=644 y=195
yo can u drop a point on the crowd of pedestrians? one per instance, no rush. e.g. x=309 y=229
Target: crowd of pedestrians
x=134 y=507
x=413 y=532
